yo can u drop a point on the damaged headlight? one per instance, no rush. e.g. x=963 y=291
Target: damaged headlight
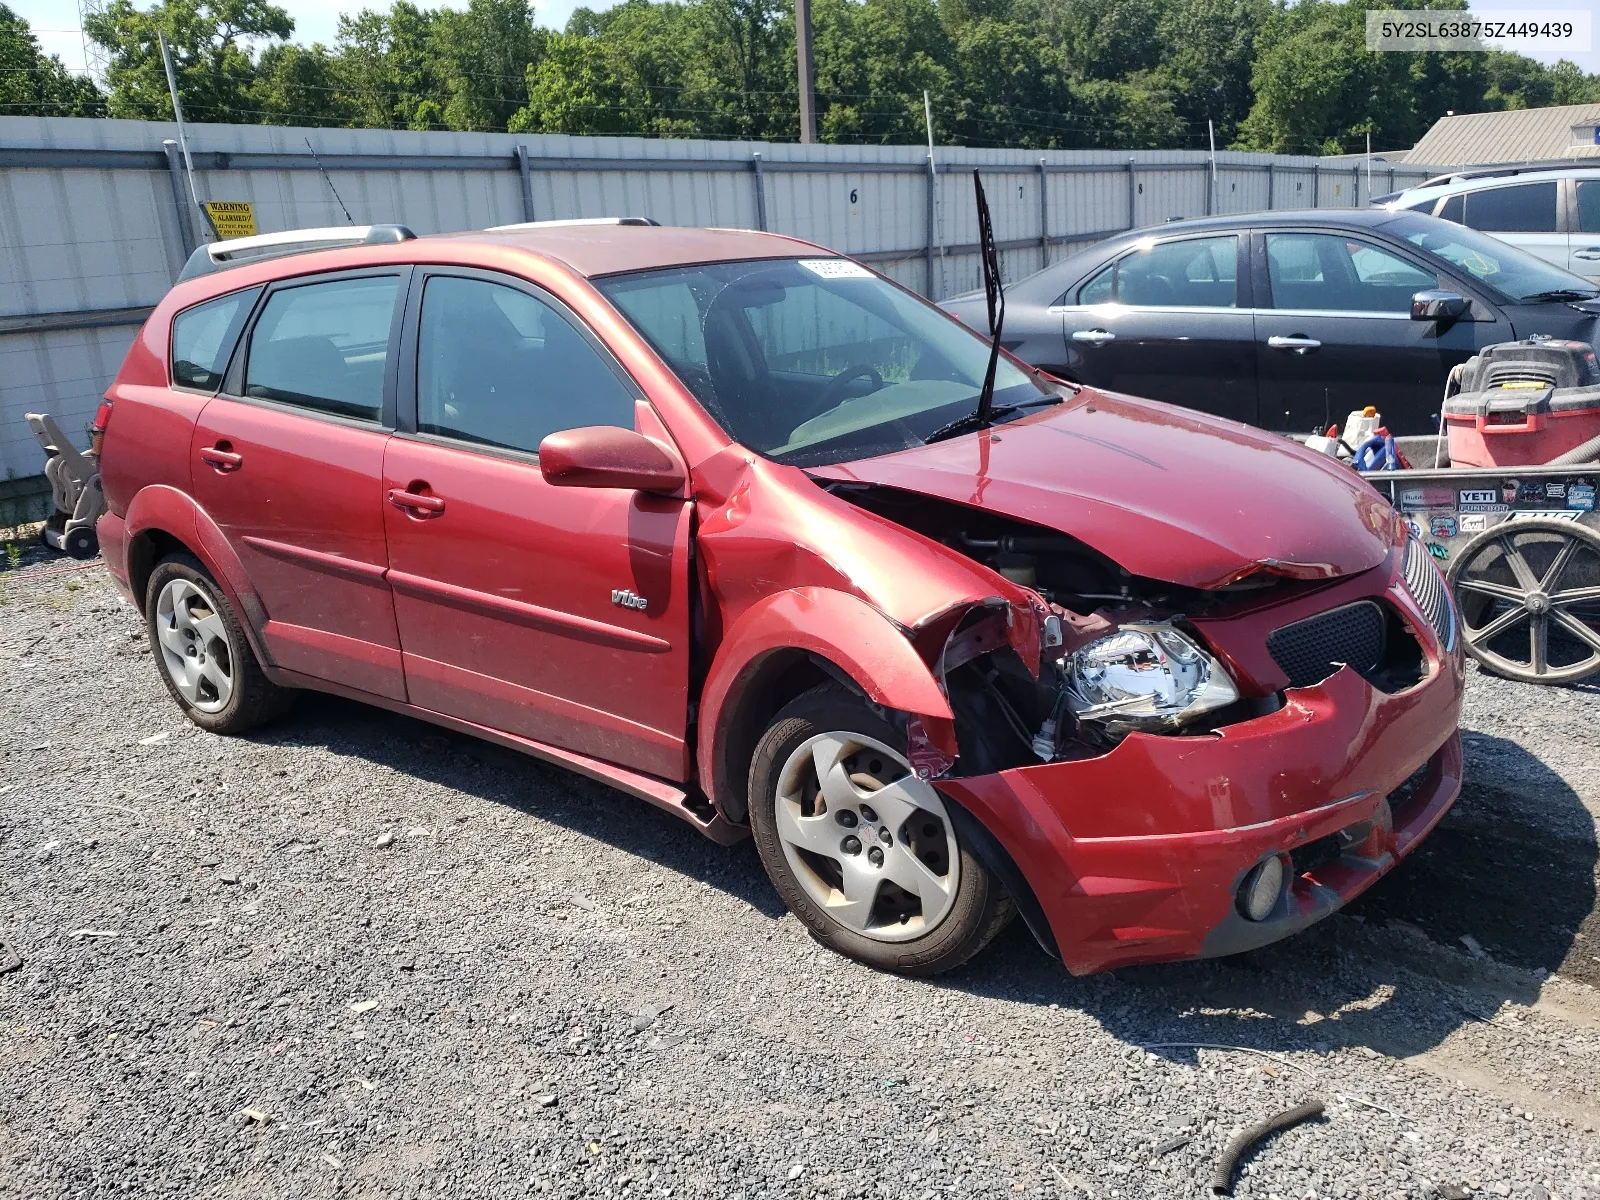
x=1148 y=677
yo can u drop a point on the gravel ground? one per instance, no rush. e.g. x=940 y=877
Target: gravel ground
x=353 y=956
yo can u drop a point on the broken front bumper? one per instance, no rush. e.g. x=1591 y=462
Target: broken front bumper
x=1137 y=855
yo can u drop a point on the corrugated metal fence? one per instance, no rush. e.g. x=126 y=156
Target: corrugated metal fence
x=95 y=220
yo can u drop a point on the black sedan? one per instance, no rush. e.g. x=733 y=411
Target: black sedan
x=1287 y=320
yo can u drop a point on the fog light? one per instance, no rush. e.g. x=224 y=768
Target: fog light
x=1258 y=894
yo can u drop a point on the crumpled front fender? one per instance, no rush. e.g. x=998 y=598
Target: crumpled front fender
x=846 y=631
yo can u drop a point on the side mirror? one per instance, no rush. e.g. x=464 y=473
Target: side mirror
x=1435 y=305
x=604 y=456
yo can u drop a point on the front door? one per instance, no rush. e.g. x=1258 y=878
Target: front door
x=1334 y=334
x=1166 y=321
x=288 y=461
x=557 y=614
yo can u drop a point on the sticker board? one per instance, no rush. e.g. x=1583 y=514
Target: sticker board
x=835 y=268
x=232 y=218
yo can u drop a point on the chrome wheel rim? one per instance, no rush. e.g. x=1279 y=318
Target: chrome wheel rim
x=870 y=843
x=1529 y=602
x=194 y=646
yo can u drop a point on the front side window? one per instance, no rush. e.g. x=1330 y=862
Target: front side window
x=813 y=361
x=1589 y=206
x=499 y=367
x=1192 y=273
x=1502 y=266
x=323 y=346
x=1524 y=208
x=203 y=338
x=1331 y=273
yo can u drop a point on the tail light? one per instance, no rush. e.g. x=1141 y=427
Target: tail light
x=97 y=431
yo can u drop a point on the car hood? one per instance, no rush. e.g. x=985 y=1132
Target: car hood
x=1164 y=492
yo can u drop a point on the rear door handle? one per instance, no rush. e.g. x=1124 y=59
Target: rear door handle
x=220 y=457
x=1588 y=254
x=416 y=502
x=1095 y=337
x=1298 y=343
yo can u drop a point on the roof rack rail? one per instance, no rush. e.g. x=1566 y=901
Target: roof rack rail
x=1492 y=170
x=573 y=221
x=219 y=256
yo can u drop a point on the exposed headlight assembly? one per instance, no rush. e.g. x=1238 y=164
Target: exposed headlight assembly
x=1147 y=677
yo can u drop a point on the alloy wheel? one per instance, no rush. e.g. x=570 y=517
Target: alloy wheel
x=1529 y=594
x=871 y=844
x=194 y=646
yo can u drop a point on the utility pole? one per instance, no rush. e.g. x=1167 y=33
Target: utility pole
x=808 y=80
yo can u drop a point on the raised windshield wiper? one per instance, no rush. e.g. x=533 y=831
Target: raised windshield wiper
x=1559 y=294
x=981 y=420
x=995 y=296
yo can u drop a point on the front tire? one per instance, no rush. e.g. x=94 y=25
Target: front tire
x=862 y=851
x=201 y=651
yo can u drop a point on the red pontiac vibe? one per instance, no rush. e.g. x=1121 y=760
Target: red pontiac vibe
x=705 y=514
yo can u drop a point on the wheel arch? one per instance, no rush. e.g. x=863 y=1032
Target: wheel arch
x=162 y=520
x=783 y=646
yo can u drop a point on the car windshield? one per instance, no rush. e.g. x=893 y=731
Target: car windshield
x=814 y=361
x=1514 y=272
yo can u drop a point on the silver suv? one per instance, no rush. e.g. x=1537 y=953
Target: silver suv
x=1550 y=211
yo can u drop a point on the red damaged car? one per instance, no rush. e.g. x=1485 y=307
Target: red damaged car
x=709 y=515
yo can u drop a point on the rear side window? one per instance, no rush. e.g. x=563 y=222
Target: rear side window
x=203 y=338
x=1525 y=208
x=323 y=346
x=1194 y=273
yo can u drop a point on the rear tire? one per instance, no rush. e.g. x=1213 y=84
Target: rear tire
x=201 y=652
x=861 y=850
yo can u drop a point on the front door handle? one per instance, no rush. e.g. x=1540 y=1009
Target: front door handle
x=222 y=457
x=1095 y=337
x=1299 y=343
x=416 y=502
x=1588 y=254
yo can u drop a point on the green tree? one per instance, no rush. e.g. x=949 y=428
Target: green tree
x=295 y=85
x=212 y=60
x=33 y=84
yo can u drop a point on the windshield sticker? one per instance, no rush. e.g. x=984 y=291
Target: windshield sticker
x=1442 y=526
x=1580 y=496
x=1426 y=497
x=835 y=268
x=1484 y=500
x=1472 y=522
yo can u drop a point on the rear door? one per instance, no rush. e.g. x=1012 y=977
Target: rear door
x=1169 y=320
x=1334 y=333
x=557 y=614
x=288 y=460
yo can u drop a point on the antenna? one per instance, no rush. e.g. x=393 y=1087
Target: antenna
x=328 y=181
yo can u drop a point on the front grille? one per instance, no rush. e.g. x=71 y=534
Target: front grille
x=1429 y=590
x=1311 y=650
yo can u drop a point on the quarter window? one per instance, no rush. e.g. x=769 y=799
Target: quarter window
x=1192 y=273
x=323 y=346
x=1453 y=209
x=203 y=338
x=1326 y=272
x=499 y=367
x=1525 y=208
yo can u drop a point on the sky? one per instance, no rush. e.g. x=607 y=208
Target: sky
x=55 y=22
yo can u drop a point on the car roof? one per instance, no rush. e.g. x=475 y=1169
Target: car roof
x=596 y=250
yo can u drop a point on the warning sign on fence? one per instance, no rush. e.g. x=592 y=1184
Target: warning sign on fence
x=232 y=218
